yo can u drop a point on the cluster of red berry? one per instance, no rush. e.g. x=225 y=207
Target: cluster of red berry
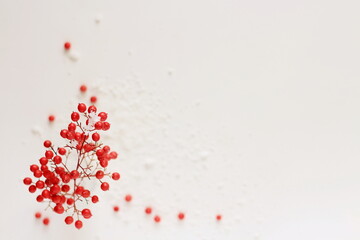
x=61 y=175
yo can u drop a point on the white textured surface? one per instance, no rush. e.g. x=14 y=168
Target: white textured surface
x=247 y=108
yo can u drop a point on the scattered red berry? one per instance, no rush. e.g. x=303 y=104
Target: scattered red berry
x=93 y=99
x=51 y=118
x=67 y=45
x=105 y=186
x=62 y=151
x=94 y=199
x=115 y=176
x=37 y=215
x=27 y=181
x=47 y=143
x=69 y=220
x=218 y=217
x=181 y=216
x=46 y=221
x=82 y=107
x=116 y=208
x=83 y=88
x=86 y=213
x=157 y=219
x=128 y=198
x=148 y=210
x=95 y=137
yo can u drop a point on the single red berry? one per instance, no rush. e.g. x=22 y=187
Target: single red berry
x=75 y=116
x=39 y=198
x=181 y=216
x=86 y=213
x=116 y=208
x=115 y=176
x=65 y=188
x=64 y=133
x=95 y=137
x=157 y=219
x=100 y=152
x=105 y=186
x=40 y=184
x=92 y=108
x=38 y=215
x=106 y=149
x=70 y=201
x=38 y=173
x=47 y=143
x=32 y=188
x=51 y=118
x=106 y=126
x=85 y=193
x=43 y=161
x=99 y=174
x=79 y=190
x=72 y=127
x=82 y=107
x=78 y=224
x=46 y=193
x=74 y=174
x=55 y=189
x=98 y=125
x=57 y=159
x=49 y=154
x=67 y=45
x=94 y=199
x=103 y=116
x=104 y=163
x=46 y=221
x=62 y=151
x=83 y=88
x=218 y=217
x=59 y=209
x=148 y=210
x=128 y=198
x=44 y=167
x=69 y=220
x=93 y=99
x=27 y=181
x=34 y=167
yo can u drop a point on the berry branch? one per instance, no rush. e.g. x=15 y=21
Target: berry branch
x=62 y=185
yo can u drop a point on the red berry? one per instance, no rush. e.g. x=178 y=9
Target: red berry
x=116 y=208
x=83 y=88
x=115 y=176
x=94 y=199
x=59 y=209
x=95 y=137
x=37 y=215
x=157 y=219
x=67 y=45
x=78 y=224
x=46 y=221
x=74 y=174
x=62 y=151
x=85 y=193
x=99 y=174
x=100 y=152
x=27 y=181
x=69 y=220
x=113 y=155
x=49 y=154
x=92 y=108
x=106 y=126
x=64 y=133
x=181 y=216
x=82 y=107
x=38 y=173
x=106 y=149
x=72 y=127
x=46 y=193
x=75 y=116
x=218 y=217
x=65 y=188
x=51 y=118
x=93 y=99
x=128 y=198
x=70 y=201
x=98 y=125
x=105 y=186
x=39 y=198
x=43 y=161
x=55 y=189
x=148 y=210
x=103 y=116
x=79 y=190
x=47 y=143
x=32 y=188
x=104 y=163
x=57 y=159
x=40 y=184
x=86 y=213
x=34 y=167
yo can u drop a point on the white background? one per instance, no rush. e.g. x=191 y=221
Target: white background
x=245 y=108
